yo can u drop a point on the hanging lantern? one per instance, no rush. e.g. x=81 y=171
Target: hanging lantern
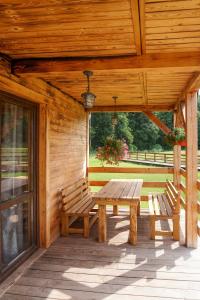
x=88 y=97
x=114 y=115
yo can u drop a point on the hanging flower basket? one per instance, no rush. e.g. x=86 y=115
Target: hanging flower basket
x=112 y=152
x=176 y=137
x=182 y=143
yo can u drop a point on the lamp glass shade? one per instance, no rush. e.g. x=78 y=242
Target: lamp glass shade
x=89 y=99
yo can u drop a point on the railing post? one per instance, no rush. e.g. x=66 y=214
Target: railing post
x=177 y=166
x=191 y=170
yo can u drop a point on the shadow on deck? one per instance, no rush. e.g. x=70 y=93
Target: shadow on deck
x=77 y=268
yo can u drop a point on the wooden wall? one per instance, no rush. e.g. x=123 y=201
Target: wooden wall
x=67 y=153
x=62 y=144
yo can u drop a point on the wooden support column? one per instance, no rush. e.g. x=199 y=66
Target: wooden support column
x=88 y=118
x=191 y=170
x=44 y=225
x=177 y=158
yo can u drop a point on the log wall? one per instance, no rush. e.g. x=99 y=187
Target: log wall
x=67 y=154
x=62 y=145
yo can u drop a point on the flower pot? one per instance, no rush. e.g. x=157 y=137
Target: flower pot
x=182 y=143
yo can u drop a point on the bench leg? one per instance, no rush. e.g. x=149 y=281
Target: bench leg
x=64 y=225
x=86 y=230
x=115 y=210
x=176 y=229
x=152 y=227
x=138 y=209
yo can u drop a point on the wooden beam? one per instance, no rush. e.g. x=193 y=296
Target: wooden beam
x=132 y=108
x=136 y=25
x=193 y=85
x=148 y=62
x=157 y=122
x=179 y=116
x=191 y=170
x=5 y=65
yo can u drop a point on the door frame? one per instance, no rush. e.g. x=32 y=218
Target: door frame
x=16 y=262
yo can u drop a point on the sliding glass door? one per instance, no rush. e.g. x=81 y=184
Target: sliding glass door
x=18 y=162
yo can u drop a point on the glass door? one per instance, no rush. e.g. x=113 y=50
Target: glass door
x=18 y=217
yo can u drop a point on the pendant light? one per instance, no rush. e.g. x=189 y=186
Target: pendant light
x=114 y=115
x=88 y=97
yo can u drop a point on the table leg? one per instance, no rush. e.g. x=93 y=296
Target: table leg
x=138 y=209
x=133 y=225
x=102 y=223
x=115 y=210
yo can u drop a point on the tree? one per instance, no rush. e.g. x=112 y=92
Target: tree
x=101 y=128
x=145 y=132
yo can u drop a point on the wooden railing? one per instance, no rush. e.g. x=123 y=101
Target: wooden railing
x=158 y=157
x=146 y=184
x=183 y=190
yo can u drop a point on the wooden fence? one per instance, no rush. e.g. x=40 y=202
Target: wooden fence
x=158 y=157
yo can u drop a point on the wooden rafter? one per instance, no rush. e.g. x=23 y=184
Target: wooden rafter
x=132 y=108
x=136 y=25
x=193 y=85
x=155 y=62
x=180 y=115
x=157 y=122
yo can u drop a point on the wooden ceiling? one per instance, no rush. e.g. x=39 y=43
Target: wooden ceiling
x=42 y=31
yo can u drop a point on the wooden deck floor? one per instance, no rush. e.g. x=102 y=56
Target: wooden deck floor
x=77 y=268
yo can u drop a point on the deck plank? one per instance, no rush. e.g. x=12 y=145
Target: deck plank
x=78 y=268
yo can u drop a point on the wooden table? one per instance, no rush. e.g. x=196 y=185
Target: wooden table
x=119 y=192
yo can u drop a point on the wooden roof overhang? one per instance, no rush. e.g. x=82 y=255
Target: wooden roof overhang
x=146 y=52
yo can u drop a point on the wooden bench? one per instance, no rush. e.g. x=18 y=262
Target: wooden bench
x=77 y=202
x=165 y=206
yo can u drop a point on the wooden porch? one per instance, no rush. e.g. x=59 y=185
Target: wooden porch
x=78 y=268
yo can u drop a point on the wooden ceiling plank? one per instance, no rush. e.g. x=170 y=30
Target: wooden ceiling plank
x=169 y=61
x=143 y=26
x=136 y=25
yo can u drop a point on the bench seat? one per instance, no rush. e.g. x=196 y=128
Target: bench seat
x=77 y=202
x=165 y=206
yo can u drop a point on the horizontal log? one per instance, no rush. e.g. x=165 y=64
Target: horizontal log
x=130 y=170
x=144 y=63
x=133 y=108
x=146 y=184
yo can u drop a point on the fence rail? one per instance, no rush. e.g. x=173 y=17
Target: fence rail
x=146 y=184
x=158 y=157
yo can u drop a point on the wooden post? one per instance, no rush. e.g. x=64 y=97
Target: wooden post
x=177 y=166
x=177 y=159
x=44 y=225
x=88 y=117
x=191 y=170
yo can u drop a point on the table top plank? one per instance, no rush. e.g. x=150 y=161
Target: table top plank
x=121 y=189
